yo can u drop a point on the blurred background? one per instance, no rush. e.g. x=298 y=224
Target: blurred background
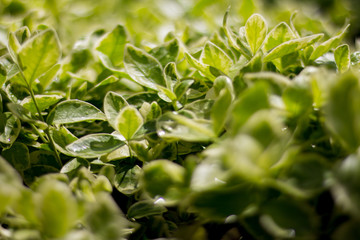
x=151 y=20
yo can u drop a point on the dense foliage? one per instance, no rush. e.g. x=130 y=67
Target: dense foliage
x=250 y=129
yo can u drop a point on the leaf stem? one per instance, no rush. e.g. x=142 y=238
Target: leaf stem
x=38 y=132
x=47 y=132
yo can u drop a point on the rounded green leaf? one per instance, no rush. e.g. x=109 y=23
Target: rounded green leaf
x=57 y=208
x=72 y=111
x=113 y=103
x=94 y=145
x=127 y=182
x=128 y=122
x=163 y=178
x=39 y=54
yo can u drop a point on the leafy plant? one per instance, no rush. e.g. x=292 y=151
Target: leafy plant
x=250 y=129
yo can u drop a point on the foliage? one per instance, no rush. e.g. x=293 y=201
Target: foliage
x=252 y=128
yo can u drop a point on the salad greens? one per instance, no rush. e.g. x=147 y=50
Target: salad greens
x=249 y=131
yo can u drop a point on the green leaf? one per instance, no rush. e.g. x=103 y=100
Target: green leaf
x=150 y=111
x=143 y=68
x=39 y=54
x=342 y=116
x=18 y=156
x=72 y=111
x=127 y=182
x=282 y=217
x=74 y=165
x=298 y=101
x=251 y=100
x=10 y=127
x=347 y=181
x=255 y=32
x=181 y=88
x=13 y=46
x=113 y=103
x=342 y=58
x=128 y=122
x=24 y=115
x=234 y=200
x=163 y=178
x=104 y=219
x=145 y=208
x=327 y=45
x=111 y=47
x=57 y=208
x=203 y=68
x=279 y=34
x=43 y=102
x=171 y=75
x=214 y=56
x=292 y=46
x=62 y=137
x=11 y=183
x=166 y=53
x=219 y=112
x=48 y=76
x=43 y=157
x=94 y=145
x=175 y=126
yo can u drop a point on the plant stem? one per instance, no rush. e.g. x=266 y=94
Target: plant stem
x=38 y=132
x=47 y=132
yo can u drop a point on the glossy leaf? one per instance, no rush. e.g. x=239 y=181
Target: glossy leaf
x=62 y=137
x=143 y=68
x=113 y=103
x=175 y=127
x=43 y=102
x=72 y=111
x=94 y=145
x=127 y=182
x=10 y=128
